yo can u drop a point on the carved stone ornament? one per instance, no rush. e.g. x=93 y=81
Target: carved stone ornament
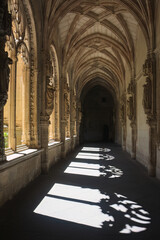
x=66 y=104
x=148 y=66
x=50 y=88
x=79 y=112
x=5 y=19
x=130 y=108
x=5 y=29
x=123 y=109
x=74 y=110
x=131 y=101
x=147 y=96
x=131 y=88
x=4 y=77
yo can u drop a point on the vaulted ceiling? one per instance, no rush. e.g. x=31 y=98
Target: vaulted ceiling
x=98 y=37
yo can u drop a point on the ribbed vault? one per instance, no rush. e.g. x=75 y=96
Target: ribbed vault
x=98 y=37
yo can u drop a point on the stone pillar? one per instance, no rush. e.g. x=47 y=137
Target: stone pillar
x=2 y=144
x=44 y=124
x=72 y=117
x=63 y=126
x=12 y=113
x=123 y=119
x=57 y=137
x=5 y=29
x=134 y=139
x=78 y=122
x=131 y=113
x=72 y=134
x=152 y=148
x=149 y=105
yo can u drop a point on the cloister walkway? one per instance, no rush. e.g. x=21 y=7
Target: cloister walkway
x=97 y=192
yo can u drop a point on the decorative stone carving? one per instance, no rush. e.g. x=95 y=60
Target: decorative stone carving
x=147 y=96
x=79 y=113
x=149 y=88
x=4 y=76
x=34 y=129
x=50 y=87
x=74 y=108
x=67 y=109
x=131 y=106
x=148 y=66
x=123 y=109
x=5 y=19
x=149 y=104
x=5 y=29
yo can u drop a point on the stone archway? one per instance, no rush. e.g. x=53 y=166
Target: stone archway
x=98 y=116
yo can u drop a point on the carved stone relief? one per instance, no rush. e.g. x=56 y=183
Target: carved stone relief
x=147 y=96
x=50 y=86
x=131 y=106
x=149 y=88
x=5 y=29
x=123 y=109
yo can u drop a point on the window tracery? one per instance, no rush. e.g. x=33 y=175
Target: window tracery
x=18 y=111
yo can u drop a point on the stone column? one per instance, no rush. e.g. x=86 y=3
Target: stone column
x=131 y=112
x=57 y=137
x=72 y=134
x=149 y=105
x=63 y=116
x=5 y=29
x=123 y=119
x=78 y=122
x=72 y=116
x=134 y=139
x=12 y=113
x=152 y=148
x=2 y=144
x=63 y=126
x=44 y=124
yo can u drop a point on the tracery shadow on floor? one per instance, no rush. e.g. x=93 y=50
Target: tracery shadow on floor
x=86 y=200
x=94 y=207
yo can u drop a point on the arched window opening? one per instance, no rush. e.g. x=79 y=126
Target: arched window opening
x=17 y=111
x=21 y=96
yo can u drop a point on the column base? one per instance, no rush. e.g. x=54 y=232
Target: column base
x=124 y=148
x=2 y=158
x=151 y=171
x=45 y=168
x=133 y=155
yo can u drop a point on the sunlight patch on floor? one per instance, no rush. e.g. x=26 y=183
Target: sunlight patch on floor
x=78 y=193
x=92 y=207
x=79 y=213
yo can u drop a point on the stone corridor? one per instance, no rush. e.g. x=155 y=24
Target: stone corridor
x=97 y=192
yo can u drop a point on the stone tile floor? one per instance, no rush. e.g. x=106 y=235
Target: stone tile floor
x=98 y=192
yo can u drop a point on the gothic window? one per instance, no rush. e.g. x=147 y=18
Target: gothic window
x=17 y=125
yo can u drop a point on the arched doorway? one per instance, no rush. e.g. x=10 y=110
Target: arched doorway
x=98 y=116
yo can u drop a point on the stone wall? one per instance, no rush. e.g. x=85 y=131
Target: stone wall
x=142 y=145
x=54 y=153
x=17 y=174
x=67 y=146
x=157 y=23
